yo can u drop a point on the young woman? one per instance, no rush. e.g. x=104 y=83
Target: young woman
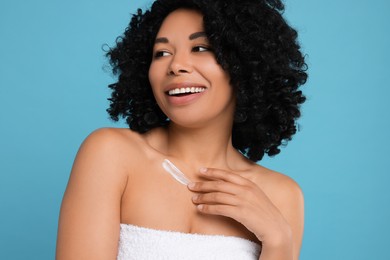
x=207 y=87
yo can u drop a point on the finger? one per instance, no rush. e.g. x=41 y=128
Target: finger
x=213 y=173
x=221 y=210
x=210 y=186
x=215 y=198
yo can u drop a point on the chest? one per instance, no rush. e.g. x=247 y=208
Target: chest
x=155 y=199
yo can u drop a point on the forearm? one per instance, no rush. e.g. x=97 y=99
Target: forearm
x=276 y=253
x=278 y=247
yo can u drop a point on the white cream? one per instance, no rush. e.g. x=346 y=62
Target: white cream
x=175 y=172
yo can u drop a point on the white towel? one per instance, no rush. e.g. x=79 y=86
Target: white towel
x=145 y=243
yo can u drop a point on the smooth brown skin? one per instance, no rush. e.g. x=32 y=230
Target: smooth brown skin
x=117 y=176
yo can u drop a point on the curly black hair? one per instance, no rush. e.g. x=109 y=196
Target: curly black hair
x=251 y=41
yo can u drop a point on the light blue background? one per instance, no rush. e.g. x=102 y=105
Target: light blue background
x=53 y=92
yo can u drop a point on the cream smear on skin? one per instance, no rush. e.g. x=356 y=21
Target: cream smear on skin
x=175 y=172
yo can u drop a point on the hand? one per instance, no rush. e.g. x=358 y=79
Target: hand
x=231 y=195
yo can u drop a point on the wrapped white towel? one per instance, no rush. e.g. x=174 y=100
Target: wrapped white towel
x=145 y=243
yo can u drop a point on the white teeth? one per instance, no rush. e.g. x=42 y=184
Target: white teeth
x=185 y=90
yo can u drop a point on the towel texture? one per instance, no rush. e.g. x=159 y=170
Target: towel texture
x=144 y=243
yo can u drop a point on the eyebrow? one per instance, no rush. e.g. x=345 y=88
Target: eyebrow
x=192 y=36
x=197 y=35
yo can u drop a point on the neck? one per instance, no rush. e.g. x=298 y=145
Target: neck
x=209 y=146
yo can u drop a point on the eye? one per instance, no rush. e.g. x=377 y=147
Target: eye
x=159 y=54
x=201 y=49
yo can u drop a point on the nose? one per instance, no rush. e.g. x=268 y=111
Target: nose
x=180 y=64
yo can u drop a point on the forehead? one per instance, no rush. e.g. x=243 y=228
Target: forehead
x=181 y=21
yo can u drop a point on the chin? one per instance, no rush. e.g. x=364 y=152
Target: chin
x=188 y=121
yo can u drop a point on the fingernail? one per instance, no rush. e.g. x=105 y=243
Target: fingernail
x=203 y=170
x=200 y=206
x=191 y=185
x=195 y=197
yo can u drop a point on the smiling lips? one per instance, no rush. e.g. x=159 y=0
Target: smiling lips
x=186 y=90
x=184 y=93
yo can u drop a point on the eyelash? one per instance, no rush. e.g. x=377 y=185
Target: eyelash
x=197 y=48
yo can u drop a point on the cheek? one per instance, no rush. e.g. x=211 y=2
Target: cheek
x=152 y=74
x=220 y=78
x=153 y=83
x=213 y=69
x=156 y=80
x=154 y=77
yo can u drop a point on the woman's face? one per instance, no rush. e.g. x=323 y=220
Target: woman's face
x=189 y=85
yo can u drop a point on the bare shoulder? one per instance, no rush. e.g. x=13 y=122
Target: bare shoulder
x=90 y=210
x=112 y=139
x=103 y=147
x=286 y=195
x=280 y=188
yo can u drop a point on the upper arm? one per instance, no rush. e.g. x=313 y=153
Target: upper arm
x=289 y=200
x=90 y=212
